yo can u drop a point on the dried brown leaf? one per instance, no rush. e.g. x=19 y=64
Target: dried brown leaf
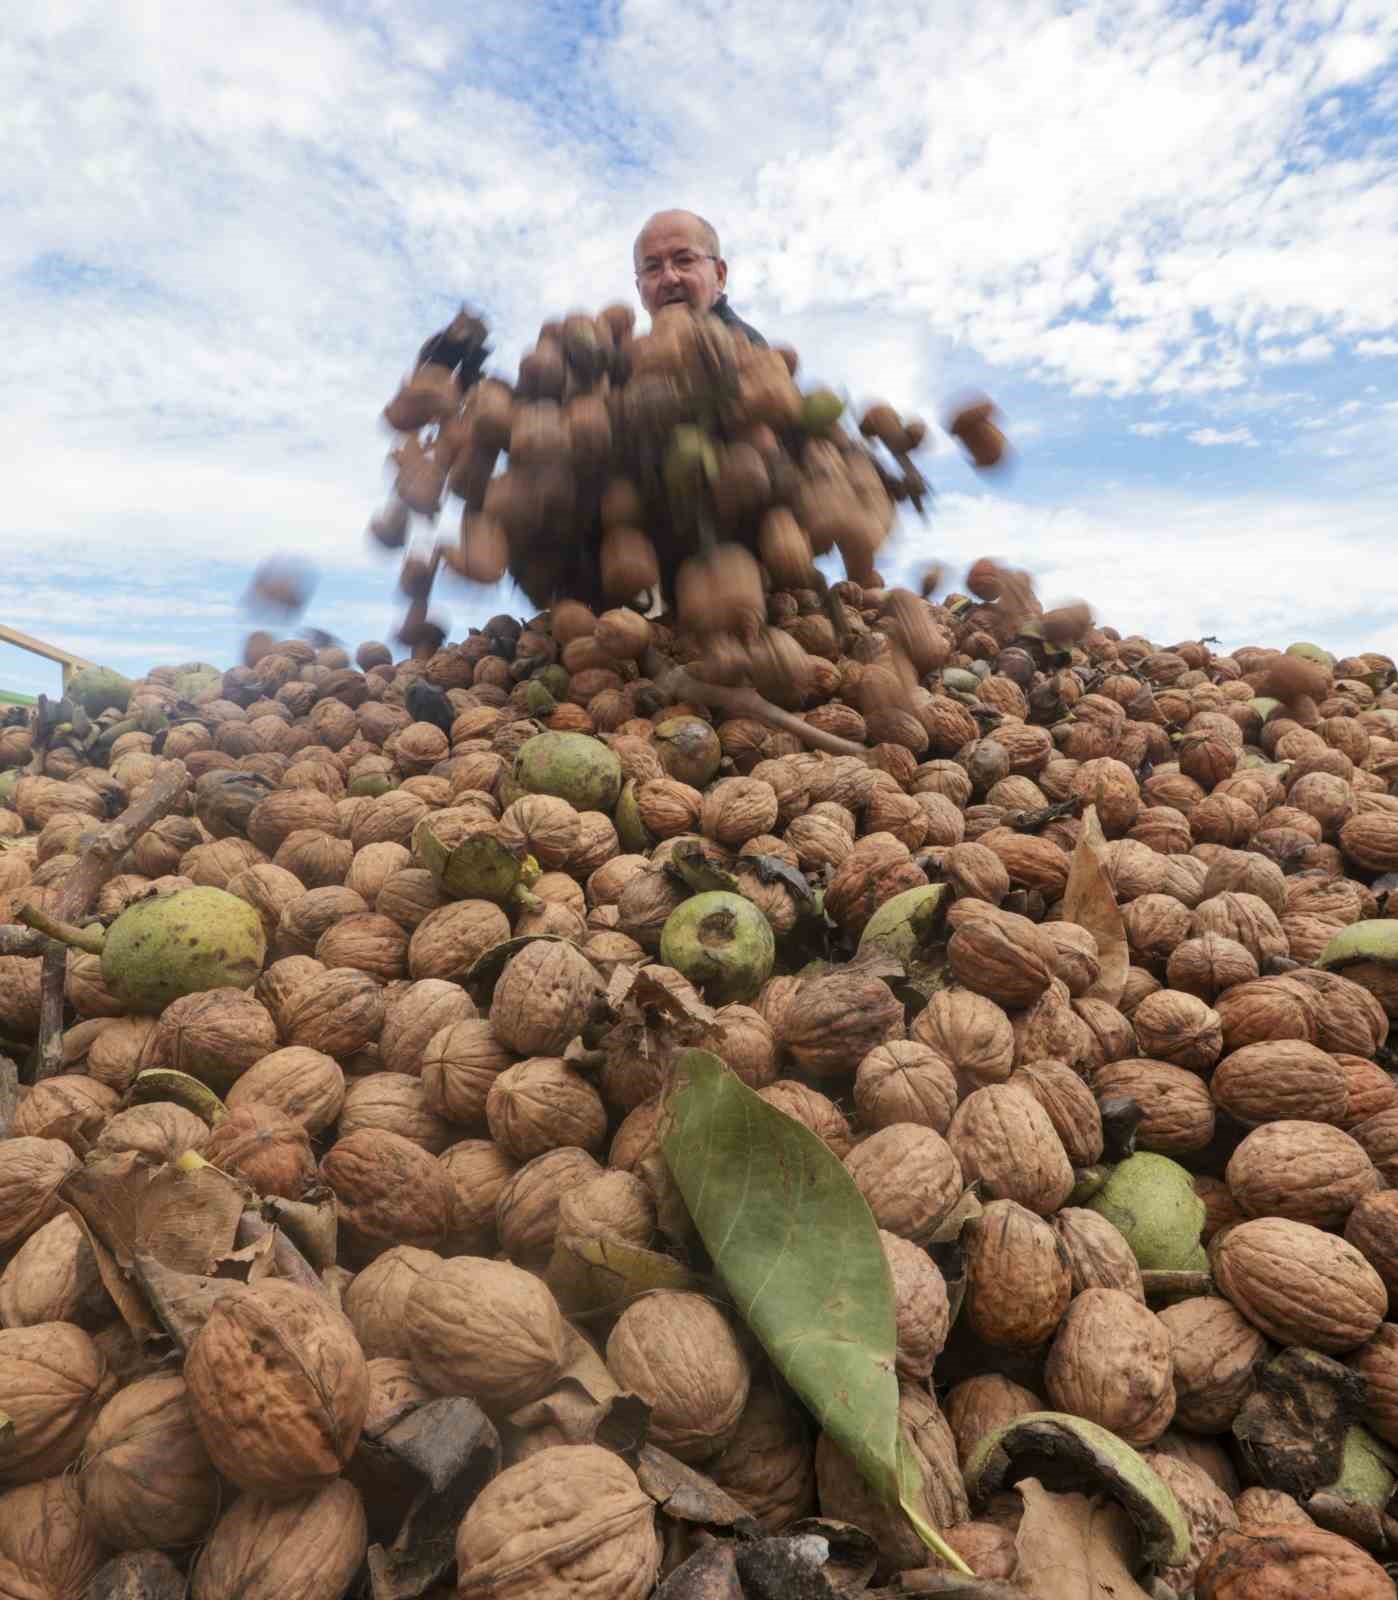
x=1088 y=900
x=1074 y=1547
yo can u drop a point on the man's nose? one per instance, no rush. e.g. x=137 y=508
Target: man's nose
x=668 y=272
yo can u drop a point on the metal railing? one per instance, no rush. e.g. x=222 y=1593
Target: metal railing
x=51 y=652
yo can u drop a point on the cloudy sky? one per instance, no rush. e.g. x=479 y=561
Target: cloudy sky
x=1163 y=236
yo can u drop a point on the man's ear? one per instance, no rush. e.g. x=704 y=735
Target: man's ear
x=721 y=273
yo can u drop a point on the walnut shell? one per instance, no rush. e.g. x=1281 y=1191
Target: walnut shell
x=1004 y=1138
x=921 y=1307
x=216 y=1035
x=395 y=1102
x=266 y=1149
x=53 y=1383
x=746 y=1043
x=1372 y=1228
x=542 y=826
x=768 y=1465
x=1282 y=1080
x=1050 y=1030
x=812 y=1110
x=543 y=998
x=53 y=1277
x=146 y=1478
x=31 y=1174
x=568 y=1523
x=1299 y=1285
x=486 y=1329
x=368 y=942
x=70 y=1106
x=1243 y=918
x=878 y=868
x=1110 y=1362
x=677 y=1351
x=1217 y=1353
x=278 y=1387
x=1307 y=1171
x=543 y=1104
x=910 y=1178
x=738 y=809
x=48 y=1549
x=1178 y=1113
x=388 y=1191
x=303 y=1084
x=1208 y=1512
x=375 y=1299
x=460 y=1064
x=1378 y=1136
x=1257 y=1507
x=1155 y=924
x=1003 y=956
x=1284 y=1562
x=1112 y=1036
x=337 y=1012
x=978 y=1405
x=904 y=1081
x=1179 y=1028
x=835 y=1020
x=1266 y=1009
x=1098 y=1255
x=477 y=1171
x=1348 y=1019
x=123 y=1048
x=526 y=1213
x=1018 y=1277
x=1209 y=964
x=614 y=1205
x=971 y=1033
x=449 y=941
x=1377 y=1363
x=305 y=1548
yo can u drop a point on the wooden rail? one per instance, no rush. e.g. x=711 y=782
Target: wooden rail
x=51 y=652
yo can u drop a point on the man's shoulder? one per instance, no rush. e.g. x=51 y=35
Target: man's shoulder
x=725 y=313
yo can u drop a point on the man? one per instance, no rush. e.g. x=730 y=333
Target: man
x=678 y=262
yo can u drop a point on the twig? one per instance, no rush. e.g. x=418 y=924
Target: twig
x=17 y=941
x=79 y=889
x=1161 y=1282
x=64 y=932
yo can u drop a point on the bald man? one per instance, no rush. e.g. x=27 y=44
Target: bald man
x=678 y=262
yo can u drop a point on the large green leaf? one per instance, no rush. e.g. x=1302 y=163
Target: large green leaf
x=798 y=1249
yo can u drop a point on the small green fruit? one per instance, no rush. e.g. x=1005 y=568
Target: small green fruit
x=195 y=678
x=555 y=679
x=630 y=830
x=574 y=766
x=371 y=784
x=689 y=750
x=1151 y=1201
x=182 y=943
x=1311 y=652
x=1375 y=940
x=820 y=409
x=902 y=925
x=721 y=942
x=690 y=461
x=99 y=689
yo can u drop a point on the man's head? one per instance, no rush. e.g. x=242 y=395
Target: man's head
x=678 y=259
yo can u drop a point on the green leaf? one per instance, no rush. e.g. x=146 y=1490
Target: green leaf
x=798 y=1250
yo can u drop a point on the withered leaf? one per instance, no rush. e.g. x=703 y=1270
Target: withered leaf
x=680 y=1491
x=711 y=1573
x=138 y=1575
x=1074 y=1547
x=1089 y=901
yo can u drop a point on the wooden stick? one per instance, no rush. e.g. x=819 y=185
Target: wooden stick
x=79 y=889
x=17 y=941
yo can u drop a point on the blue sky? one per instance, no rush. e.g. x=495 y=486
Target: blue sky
x=1163 y=236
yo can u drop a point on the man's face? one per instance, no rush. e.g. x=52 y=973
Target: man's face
x=674 y=265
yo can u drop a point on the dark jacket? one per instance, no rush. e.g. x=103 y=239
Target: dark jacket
x=725 y=313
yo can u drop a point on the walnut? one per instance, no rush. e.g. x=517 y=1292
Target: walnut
x=70 y=1107
x=543 y=826
x=395 y=1102
x=746 y=1043
x=477 y=1171
x=737 y=809
x=336 y=1012
x=1208 y=965
x=1258 y=1507
x=542 y=998
x=387 y=1191
x=542 y=1104
x=266 y=1149
x=317 y=858
x=1178 y=1113
x=845 y=1496
x=486 y=1329
x=31 y=1173
x=568 y=1523
x=974 y=871
x=376 y=1297
x=819 y=839
x=769 y=1464
x=971 y=1033
x=668 y=809
x=1004 y=957
x=449 y=941
x=526 y=1212
x=278 y=1388
x=146 y=1478
x=1208 y=1511
x=306 y=918
x=373 y=866
x=1244 y=918
x=305 y=1548
x=1282 y=1080
x=678 y=1353
x=904 y=1081
x=1372 y=1228
x=460 y=1064
x=1217 y=1353
x=303 y=1084
x=1155 y=925
x=409 y=896
x=269 y=890
x=812 y=1110
x=125 y=1046
x=1267 y=1562
x=1098 y=1255
x=1267 y=1009
x=53 y=1277
x=1246 y=872
x=836 y=1019
x=920 y=1305
x=1070 y=1104
x=1112 y=1036
x=614 y=1205
x=1077 y=964
x=1003 y=1138
x=645 y=905
x=1110 y=1362
x=1179 y=1028
x=1032 y=861
x=47 y=1545
x=1378 y=1135
x=977 y=1406
x=1377 y=1363
x=910 y=1177
x=53 y=1383
x=1018 y=1277
x=1303 y=1170
x=216 y=1035
x=1051 y=1030
x=1111 y=787
x=1299 y=1285
x=878 y=868
x=367 y=942
x=1348 y=1019
x=1133 y=869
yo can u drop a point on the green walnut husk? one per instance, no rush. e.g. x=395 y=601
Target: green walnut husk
x=903 y=925
x=8 y=781
x=193 y=678
x=1375 y=940
x=1151 y=1201
x=721 y=942
x=1311 y=652
x=689 y=750
x=573 y=766
x=630 y=830
x=182 y=943
x=370 y=784
x=479 y=868
x=99 y=689
x=820 y=409
x=1072 y=1447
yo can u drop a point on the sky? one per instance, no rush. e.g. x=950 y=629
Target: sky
x=1164 y=237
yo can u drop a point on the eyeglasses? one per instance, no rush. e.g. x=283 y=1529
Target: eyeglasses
x=684 y=261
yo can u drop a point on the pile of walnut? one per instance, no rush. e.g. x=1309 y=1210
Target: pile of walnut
x=421 y=1139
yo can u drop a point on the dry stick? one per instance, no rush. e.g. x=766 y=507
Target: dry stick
x=65 y=932
x=96 y=865
x=18 y=941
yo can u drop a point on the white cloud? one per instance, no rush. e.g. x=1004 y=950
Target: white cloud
x=1150 y=430
x=1376 y=347
x=1216 y=436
